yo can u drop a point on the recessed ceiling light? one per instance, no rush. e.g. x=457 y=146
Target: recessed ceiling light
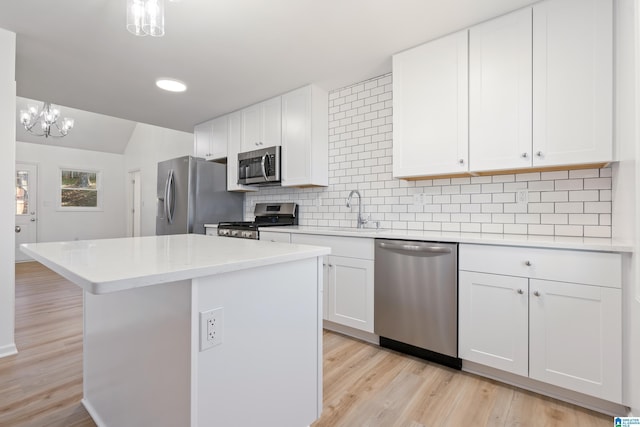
x=171 y=85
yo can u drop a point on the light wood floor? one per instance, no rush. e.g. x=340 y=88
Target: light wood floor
x=364 y=385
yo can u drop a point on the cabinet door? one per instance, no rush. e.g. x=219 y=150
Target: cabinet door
x=271 y=122
x=325 y=288
x=500 y=93
x=251 y=137
x=572 y=82
x=296 y=137
x=234 y=143
x=351 y=292
x=575 y=337
x=430 y=108
x=493 y=321
x=272 y=236
x=219 y=134
x=202 y=140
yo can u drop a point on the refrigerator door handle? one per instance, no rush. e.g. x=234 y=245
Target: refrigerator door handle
x=169 y=197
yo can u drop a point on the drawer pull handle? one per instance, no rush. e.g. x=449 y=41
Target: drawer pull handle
x=527 y=263
x=536 y=293
x=520 y=291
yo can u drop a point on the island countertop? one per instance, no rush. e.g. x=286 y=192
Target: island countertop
x=111 y=265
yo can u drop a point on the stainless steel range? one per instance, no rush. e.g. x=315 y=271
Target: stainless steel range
x=267 y=215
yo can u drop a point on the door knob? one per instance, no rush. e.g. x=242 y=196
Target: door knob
x=18 y=229
x=520 y=291
x=32 y=220
x=536 y=293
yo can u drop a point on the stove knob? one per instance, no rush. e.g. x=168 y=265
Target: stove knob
x=246 y=234
x=234 y=233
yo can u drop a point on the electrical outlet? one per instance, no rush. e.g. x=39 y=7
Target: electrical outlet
x=211 y=328
x=522 y=197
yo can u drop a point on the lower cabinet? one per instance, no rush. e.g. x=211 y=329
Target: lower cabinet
x=568 y=334
x=348 y=279
x=349 y=291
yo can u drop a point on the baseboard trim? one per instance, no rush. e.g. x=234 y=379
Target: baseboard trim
x=573 y=397
x=8 y=350
x=93 y=413
x=352 y=332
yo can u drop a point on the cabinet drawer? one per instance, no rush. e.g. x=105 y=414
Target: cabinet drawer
x=353 y=247
x=272 y=236
x=589 y=268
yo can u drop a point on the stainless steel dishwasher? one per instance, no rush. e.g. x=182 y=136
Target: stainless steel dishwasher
x=416 y=299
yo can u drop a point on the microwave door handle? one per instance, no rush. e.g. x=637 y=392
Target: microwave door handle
x=263 y=164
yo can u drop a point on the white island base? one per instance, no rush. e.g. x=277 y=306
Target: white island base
x=143 y=365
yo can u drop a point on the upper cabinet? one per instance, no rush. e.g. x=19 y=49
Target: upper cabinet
x=539 y=94
x=210 y=139
x=572 y=82
x=262 y=125
x=234 y=146
x=305 y=136
x=430 y=107
x=500 y=93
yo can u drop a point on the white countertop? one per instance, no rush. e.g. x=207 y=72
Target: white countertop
x=555 y=242
x=110 y=265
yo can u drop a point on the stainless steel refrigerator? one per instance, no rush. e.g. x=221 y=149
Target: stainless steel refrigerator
x=193 y=192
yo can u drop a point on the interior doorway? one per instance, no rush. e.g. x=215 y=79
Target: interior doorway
x=134 y=204
x=26 y=207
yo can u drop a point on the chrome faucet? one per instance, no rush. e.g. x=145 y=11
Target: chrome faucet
x=361 y=220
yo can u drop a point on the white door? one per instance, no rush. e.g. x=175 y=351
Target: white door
x=271 y=122
x=430 y=105
x=26 y=207
x=572 y=82
x=351 y=292
x=500 y=93
x=251 y=132
x=493 y=323
x=576 y=337
x=135 y=205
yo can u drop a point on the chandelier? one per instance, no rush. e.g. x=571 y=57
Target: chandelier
x=145 y=17
x=45 y=120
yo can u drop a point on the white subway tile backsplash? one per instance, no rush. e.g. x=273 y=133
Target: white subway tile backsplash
x=569 y=203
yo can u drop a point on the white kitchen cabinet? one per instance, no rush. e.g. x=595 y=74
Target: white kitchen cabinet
x=234 y=143
x=271 y=236
x=262 y=125
x=494 y=320
x=572 y=82
x=430 y=106
x=210 y=139
x=305 y=137
x=348 y=290
x=551 y=315
x=500 y=99
x=574 y=337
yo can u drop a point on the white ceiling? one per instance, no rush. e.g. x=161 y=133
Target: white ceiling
x=91 y=131
x=231 y=53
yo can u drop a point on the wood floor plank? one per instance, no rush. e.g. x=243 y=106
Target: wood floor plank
x=364 y=385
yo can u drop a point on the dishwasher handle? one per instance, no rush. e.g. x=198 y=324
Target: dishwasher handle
x=425 y=249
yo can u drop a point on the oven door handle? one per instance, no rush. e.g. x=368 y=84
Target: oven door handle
x=263 y=165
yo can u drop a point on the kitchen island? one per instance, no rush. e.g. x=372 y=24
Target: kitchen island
x=192 y=330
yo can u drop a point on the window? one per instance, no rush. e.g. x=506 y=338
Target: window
x=80 y=190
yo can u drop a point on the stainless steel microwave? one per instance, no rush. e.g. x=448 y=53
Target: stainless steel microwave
x=259 y=167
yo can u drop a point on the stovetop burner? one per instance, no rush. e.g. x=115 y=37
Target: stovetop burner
x=267 y=215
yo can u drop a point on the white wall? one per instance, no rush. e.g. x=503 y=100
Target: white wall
x=55 y=224
x=561 y=203
x=148 y=146
x=626 y=189
x=7 y=190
